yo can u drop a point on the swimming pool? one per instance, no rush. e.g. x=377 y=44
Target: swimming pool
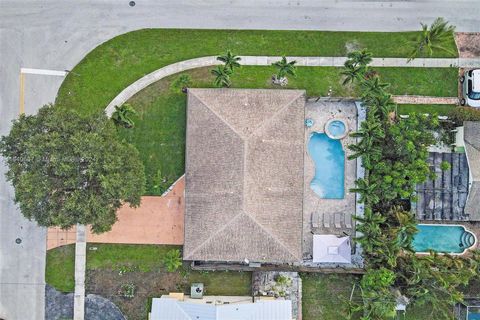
x=473 y=313
x=329 y=159
x=454 y=239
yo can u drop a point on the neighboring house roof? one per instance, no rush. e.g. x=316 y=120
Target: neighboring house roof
x=329 y=248
x=471 y=136
x=244 y=175
x=172 y=309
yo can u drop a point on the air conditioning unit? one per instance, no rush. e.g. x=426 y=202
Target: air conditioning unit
x=196 y=291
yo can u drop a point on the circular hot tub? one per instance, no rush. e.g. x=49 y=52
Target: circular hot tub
x=336 y=129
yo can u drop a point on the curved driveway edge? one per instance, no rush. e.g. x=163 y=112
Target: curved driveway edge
x=181 y=66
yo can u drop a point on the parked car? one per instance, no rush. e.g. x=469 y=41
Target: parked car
x=471 y=88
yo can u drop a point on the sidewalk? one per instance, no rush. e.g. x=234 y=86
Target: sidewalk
x=177 y=67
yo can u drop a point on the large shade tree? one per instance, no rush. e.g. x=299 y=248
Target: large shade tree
x=67 y=169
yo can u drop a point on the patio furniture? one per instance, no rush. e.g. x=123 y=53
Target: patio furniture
x=315 y=219
x=348 y=220
x=326 y=220
x=338 y=219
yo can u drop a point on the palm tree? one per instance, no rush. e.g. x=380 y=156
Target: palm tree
x=381 y=104
x=432 y=38
x=367 y=147
x=367 y=191
x=230 y=60
x=360 y=58
x=370 y=229
x=285 y=68
x=373 y=88
x=351 y=72
x=121 y=115
x=222 y=76
x=182 y=82
x=356 y=66
x=406 y=228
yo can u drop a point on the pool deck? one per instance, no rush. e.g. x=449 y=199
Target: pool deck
x=328 y=216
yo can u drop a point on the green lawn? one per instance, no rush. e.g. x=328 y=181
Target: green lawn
x=325 y=296
x=115 y=64
x=159 y=132
x=440 y=109
x=107 y=256
x=145 y=258
x=60 y=268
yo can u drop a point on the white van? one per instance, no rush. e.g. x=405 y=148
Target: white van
x=471 y=88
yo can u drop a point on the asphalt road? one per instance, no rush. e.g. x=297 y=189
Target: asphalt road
x=57 y=34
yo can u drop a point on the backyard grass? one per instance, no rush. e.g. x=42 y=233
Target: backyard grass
x=440 y=109
x=115 y=64
x=325 y=297
x=145 y=257
x=112 y=265
x=159 y=132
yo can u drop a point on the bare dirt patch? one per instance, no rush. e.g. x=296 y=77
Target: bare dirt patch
x=107 y=283
x=468 y=44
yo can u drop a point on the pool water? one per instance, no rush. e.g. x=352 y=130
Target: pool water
x=442 y=238
x=336 y=128
x=329 y=159
x=474 y=316
x=473 y=313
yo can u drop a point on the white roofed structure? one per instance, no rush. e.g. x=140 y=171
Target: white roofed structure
x=171 y=309
x=328 y=248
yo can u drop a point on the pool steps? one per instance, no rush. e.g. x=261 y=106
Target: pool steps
x=467 y=239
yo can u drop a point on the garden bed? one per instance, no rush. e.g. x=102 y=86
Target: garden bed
x=112 y=266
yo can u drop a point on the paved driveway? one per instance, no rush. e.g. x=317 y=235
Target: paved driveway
x=56 y=34
x=158 y=220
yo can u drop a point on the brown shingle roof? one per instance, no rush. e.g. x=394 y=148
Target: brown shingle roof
x=471 y=135
x=244 y=175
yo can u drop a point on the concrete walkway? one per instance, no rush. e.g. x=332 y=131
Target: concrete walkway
x=80 y=266
x=177 y=67
x=424 y=100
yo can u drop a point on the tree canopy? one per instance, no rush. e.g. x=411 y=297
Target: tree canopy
x=67 y=169
x=394 y=154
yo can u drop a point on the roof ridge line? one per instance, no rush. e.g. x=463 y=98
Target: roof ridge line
x=472 y=145
x=271 y=235
x=218 y=116
x=267 y=121
x=213 y=235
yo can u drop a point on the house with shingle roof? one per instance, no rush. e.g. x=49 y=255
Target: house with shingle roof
x=244 y=175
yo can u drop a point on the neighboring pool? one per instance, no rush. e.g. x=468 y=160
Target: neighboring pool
x=443 y=238
x=329 y=159
x=473 y=313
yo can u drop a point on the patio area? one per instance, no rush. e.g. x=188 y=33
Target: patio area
x=323 y=215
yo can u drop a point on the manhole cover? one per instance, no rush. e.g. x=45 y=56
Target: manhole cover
x=18 y=241
x=131 y=3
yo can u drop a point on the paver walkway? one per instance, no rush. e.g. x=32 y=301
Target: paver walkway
x=424 y=100
x=177 y=67
x=158 y=220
